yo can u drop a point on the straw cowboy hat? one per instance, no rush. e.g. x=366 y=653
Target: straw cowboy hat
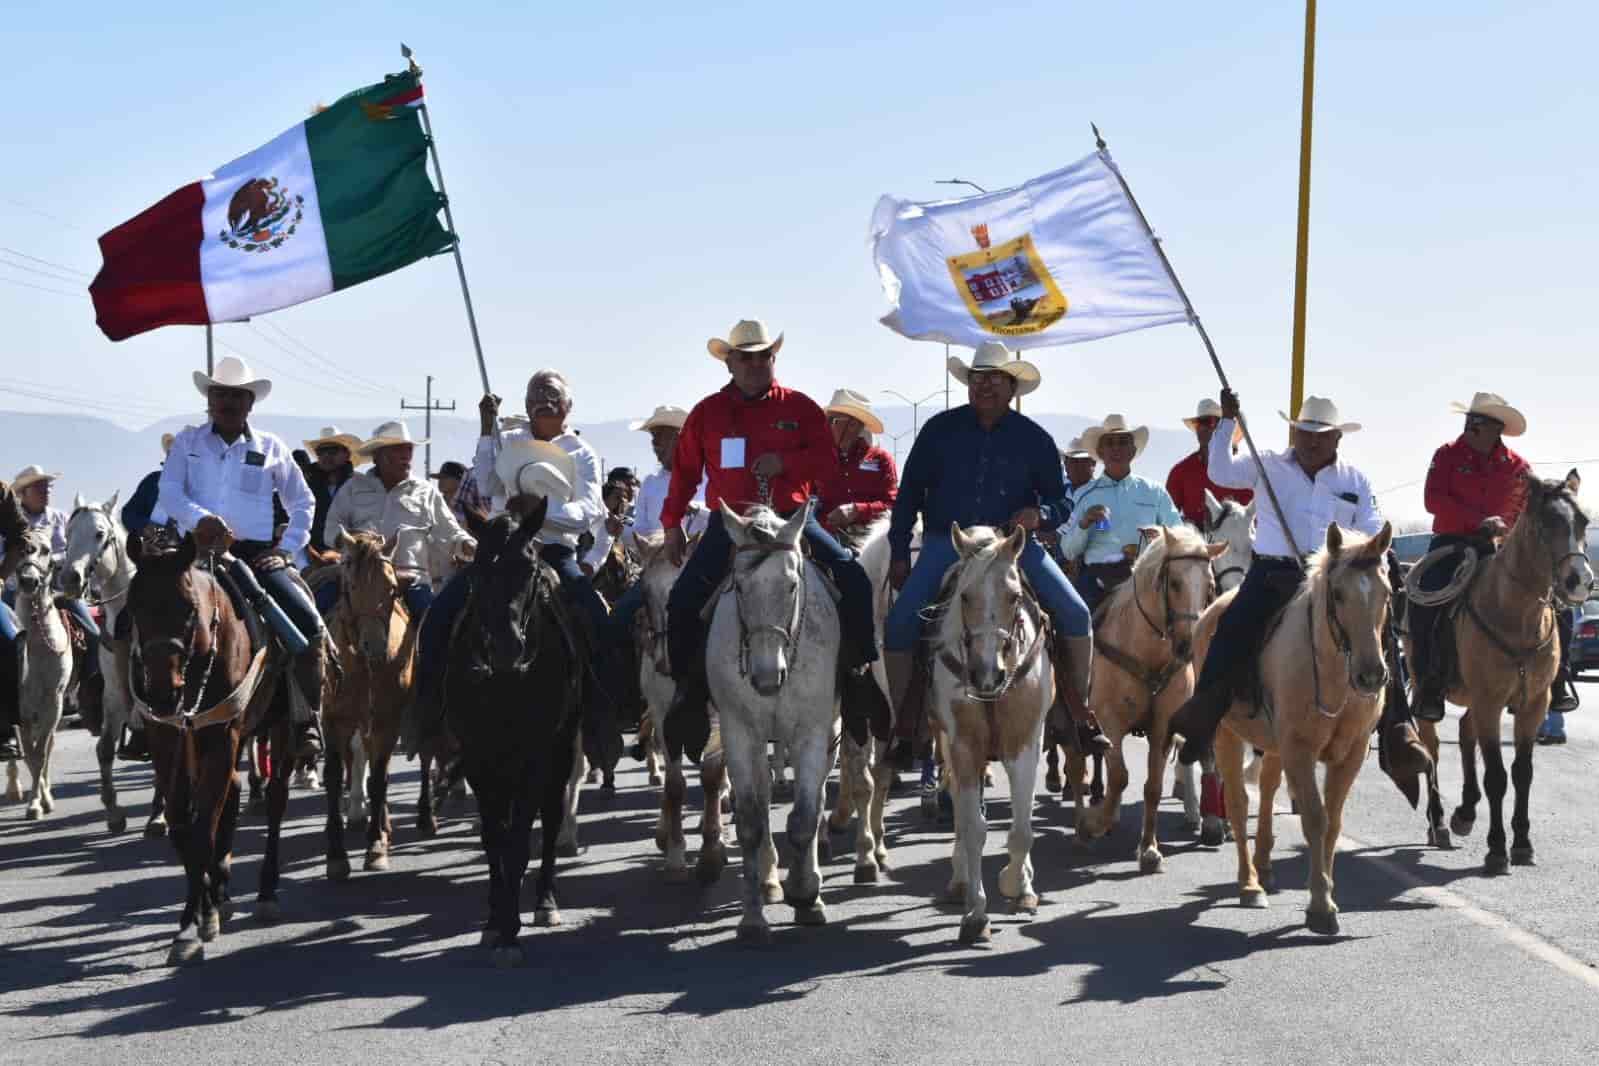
x=748 y=335
x=232 y=373
x=333 y=435
x=1317 y=414
x=1209 y=408
x=1074 y=450
x=851 y=403
x=536 y=468
x=992 y=355
x=385 y=435
x=1493 y=406
x=1112 y=425
x=30 y=474
x=663 y=417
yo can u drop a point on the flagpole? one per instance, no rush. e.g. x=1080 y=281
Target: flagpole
x=1302 y=246
x=209 y=369
x=1210 y=349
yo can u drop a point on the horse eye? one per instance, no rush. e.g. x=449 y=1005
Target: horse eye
x=99 y=536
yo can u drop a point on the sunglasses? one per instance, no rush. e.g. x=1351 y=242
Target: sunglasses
x=330 y=449
x=765 y=355
x=1208 y=421
x=1478 y=421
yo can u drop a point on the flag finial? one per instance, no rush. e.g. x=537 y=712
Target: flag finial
x=1099 y=139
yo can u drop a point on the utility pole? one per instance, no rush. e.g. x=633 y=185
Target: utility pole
x=429 y=406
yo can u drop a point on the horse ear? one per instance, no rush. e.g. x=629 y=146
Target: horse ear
x=794 y=528
x=1335 y=538
x=963 y=543
x=1015 y=543
x=110 y=506
x=1573 y=481
x=77 y=501
x=345 y=541
x=1151 y=532
x=735 y=526
x=1379 y=544
x=1212 y=507
x=1216 y=551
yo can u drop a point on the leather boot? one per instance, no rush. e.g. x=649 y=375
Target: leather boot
x=1075 y=658
x=134 y=747
x=865 y=709
x=1197 y=719
x=1562 y=694
x=687 y=727
x=91 y=702
x=308 y=674
x=1403 y=757
x=10 y=743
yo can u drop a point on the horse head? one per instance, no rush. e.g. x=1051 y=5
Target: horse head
x=1181 y=562
x=94 y=542
x=1350 y=579
x=370 y=588
x=987 y=598
x=768 y=591
x=173 y=620
x=1561 y=529
x=1230 y=523
x=34 y=566
x=506 y=589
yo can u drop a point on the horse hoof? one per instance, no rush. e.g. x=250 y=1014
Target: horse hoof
x=155 y=828
x=1496 y=864
x=548 y=916
x=357 y=822
x=210 y=927
x=656 y=778
x=267 y=912
x=118 y=824
x=1026 y=903
x=566 y=849
x=772 y=893
x=376 y=860
x=824 y=848
x=976 y=930
x=1460 y=825
x=1322 y=923
x=1193 y=825
x=1522 y=856
x=755 y=936
x=338 y=868
x=676 y=875
x=708 y=871
x=490 y=938
x=1214 y=833
x=1053 y=781
x=592 y=777
x=1149 y=862
x=815 y=914
x=34 y=813
x=185 y=951
x=48 y=805
x=508 y=957
x=1438 y=837
x=1268 y=880
x=1254 y=898
x=866 y=875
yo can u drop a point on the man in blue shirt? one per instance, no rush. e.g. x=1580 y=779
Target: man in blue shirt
x=984 y=464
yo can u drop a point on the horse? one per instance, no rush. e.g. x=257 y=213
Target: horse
x=772 y=664
x=655 y=681
x=1230 y=524
x=1322 y=679
x=510 y=694
x=44 y=659
x=992 y=687
x=1504 y=628
x=375 y=638
x=1144 y=634
x=202 y=689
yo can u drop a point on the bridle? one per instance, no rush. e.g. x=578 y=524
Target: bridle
x=1163 y=584
x=790 y=634
x=1009 y=640
x=39 y=599
x=1156 y=680
x=112 y=541
x=383 y=616
x=1211 y=537
x=1342 y=643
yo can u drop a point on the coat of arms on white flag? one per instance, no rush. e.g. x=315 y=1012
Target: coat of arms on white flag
x=1059 y=259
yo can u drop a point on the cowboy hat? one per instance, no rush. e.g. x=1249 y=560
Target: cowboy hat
x=28 y=475
x=536 y=468
x=663 y=417
x=1209 y=408
x=1317 y=414
x=748 y=335
x=992 y=355
x=333 y=435
x=1112 y=425
x=851 y=403
x=385 y=435
x=1074 y=450
x=232 y=373
x=1494 y=406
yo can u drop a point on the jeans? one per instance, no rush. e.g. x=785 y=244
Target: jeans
x=619 y=630
x=904 y=626
x=10 y=694
x=1269 y=585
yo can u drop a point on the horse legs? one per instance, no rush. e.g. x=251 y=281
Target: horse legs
x=1149 y=857
x=752 y=793
x=844 y=804
x=1230 y=764
x=266 y=907
x=13 y=784
x=1495 y=782
x=105 y=753
x=713 y=853
x=1187 y=789
x=857 y=769
x=566 y=765
x=222 y=852
x=358 y=802
x=1300 y=769
x=186 y=946
x=971 y=833
x=1465 y=815
x=1526 y=733
x=1016 y=879
x=669 y=825
x=1096 y=787
x=1102 y=817
x=379 y=831
x=882 y=780
x=813 y=760
x=427 y=823
x=1053 y=782
x=566 y=845
x=338 y=860
x=1269 y=767
x=493 y=815
x=1437 y=832
x=1340 y=779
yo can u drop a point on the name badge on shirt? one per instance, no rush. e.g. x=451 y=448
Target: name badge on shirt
x=254 y=459
x=873 y=466
x=786 y=424
x=732 y=453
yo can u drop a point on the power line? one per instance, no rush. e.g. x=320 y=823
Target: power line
x=75 y=402
x=331 y=369
x=46 y=262
x=285 y=372
x=41 y=288
x=43 y=214
x=50 y=274
x=375 y=386
x=71 y=395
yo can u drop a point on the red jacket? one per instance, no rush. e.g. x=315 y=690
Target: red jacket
x=1186 y=485
x=866 y=478
x=1465 y=487
x=727 y=428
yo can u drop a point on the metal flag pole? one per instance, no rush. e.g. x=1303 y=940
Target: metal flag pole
x=1296 y=389
x=1210 y=349
x=210 y=371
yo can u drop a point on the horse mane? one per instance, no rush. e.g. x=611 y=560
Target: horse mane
x=964 y=573
x=1188 y=540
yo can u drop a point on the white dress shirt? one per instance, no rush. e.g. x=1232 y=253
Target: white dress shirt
x=564 y=523
x=205 y=475
x=54 y=523
x=1339 y=493
x=363 y=505
x=652 y=497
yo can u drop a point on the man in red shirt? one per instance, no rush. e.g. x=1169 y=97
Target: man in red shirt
x=761 y=444
x=1188 y=480
x=862 y=485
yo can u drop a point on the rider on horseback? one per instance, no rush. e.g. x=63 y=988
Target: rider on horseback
x=761 y=444
x=1189 y=480
x=12 y=527
x=861 y=486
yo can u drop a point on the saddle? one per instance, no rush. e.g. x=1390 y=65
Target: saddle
x=1248 y=684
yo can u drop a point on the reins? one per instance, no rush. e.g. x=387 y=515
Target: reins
x=1154 y=679
x=791 y=634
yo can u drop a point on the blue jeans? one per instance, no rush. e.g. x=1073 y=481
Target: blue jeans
x=10 y=695
x=619 y=631
x=8 y=628
x=904 y=626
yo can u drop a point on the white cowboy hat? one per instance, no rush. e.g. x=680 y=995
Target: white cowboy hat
x=1074 y=450
x=1114 y=424
x=992 y=355
x=514 y=422
x=1494 y=406
x=1317 y=414
x=748 y=335
x=536 y=468
x=1209 y=408
x=166 y=442
x=663 y=417
x=333 y=435
x=386 y=434
x=30 y=474
x=232 y=373
x=851 y=403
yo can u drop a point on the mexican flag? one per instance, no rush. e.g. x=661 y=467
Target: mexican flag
x=337 y=200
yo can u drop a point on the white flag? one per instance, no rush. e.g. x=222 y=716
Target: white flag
x=1060 y=259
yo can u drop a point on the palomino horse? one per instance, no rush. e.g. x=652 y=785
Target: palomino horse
x=1143 y=648
x=1508 y=655
x=655 y=680
x=772 y=663
x=45 y=670
x=1322 y=677
x=202 y=691
x=375 y=639
x=992 y=686
x=511 y=693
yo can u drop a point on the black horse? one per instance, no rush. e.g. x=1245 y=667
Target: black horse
x=511 y=694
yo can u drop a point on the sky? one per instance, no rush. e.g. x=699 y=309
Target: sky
x=628 y=181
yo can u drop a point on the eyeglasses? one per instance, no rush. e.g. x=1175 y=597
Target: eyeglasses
x=765 y=355
x=1478 y=421
x=330 y=449
x=1208 y=421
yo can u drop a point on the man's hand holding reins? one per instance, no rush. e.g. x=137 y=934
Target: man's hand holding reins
x=211 y=534
x=1028 y=518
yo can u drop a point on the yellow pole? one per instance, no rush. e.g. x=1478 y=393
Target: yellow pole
x=1302 y=255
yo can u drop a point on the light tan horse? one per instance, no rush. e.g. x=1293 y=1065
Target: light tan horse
x=1508 y=656
x=1144 y=642
x=1322 y=681
x=375 y=639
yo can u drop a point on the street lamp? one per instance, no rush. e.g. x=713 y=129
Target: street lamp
x=915 y=404
x=895 y=438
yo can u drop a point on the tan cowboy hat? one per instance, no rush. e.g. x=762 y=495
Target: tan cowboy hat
x=333 y=435
x=536 y=468
x=1209 y=408
x=992 y=355
x=166 y=443
x=748 y=335
x=663 y=417
x=386 y=434
x=1074 y=450
x=1317 y=414
x=1114 y=424
x=851 y=403
x=232 y=373
x=28 y=475
x=1494 y=406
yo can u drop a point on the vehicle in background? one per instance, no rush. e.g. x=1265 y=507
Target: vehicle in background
x=1585 y=639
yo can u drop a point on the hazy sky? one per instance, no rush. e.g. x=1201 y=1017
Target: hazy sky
x=628 y=181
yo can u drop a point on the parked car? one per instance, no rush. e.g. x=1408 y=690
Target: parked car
x=1410 y=547
x=1585 y=639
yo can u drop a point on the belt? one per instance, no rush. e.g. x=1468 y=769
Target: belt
x=1294 y=559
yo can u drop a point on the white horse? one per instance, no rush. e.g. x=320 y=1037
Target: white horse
x=772 y=664
x=45 y=669
x=1233 y=524
x=992 y=686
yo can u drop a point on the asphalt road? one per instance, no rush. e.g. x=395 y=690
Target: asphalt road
x=1436 y=962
